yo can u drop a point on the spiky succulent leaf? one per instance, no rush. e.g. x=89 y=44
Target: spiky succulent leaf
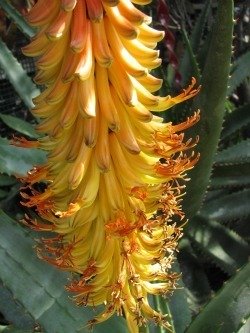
x=192 y=62
x=7 y=180
x=194 y=277
x=214 y=194
x=236 y=120
x=228 y=207
x=19 y=125
x=12 y=329
x=13 y=311
x=220 y=244
x=17 y=76
x=229 y=309
x=38 y=287
x=211 y=103
x=3 y=194
x=16 y=160
x=179 y=309
x=231 y=174
x=176 y=306
x=240 y=71
x=242 y=227
x=188 y=63
x=17 y=18
x=246 y=325
x=190 y=66
x=236 y=154
x=230 y=181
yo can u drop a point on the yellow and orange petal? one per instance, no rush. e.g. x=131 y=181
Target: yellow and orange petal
x=112 y=195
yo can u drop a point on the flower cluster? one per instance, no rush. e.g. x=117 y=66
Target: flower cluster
x=112 y=175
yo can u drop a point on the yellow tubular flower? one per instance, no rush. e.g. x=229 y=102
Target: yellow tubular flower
x=112 y=172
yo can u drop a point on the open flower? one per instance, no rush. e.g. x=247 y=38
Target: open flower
x=113 y=169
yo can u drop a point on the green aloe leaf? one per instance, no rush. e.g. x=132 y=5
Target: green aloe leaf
x=232 y=175
x=13 y=329
x=162 y=306
x=7 y=180
x=17 y=76
x=176 y=306
x=245 y=327
x=223 y=246
x=179 y=308
x=236 y=154
x=232 y=170
x=3 y=194
x=39 y=287
x=17 y=18
x=238 y=119
x=230 y=182
x=194 y=276
x=19 y=125
x=199 y=27
x=214 y=194
x=229 y=310
x=17 y=161
x=188 y=64
x=14 y=312
x=8 y=329
x=211 y=101
x=228 y=207
x=240 y=71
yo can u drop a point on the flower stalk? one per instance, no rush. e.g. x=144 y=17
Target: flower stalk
x=113 y=172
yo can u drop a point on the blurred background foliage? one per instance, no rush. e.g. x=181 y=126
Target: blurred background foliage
x=213 y=257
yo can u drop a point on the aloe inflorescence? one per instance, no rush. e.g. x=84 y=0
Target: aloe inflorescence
x=112 y=178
